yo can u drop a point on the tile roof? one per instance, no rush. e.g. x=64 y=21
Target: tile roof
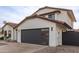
x=11 y=24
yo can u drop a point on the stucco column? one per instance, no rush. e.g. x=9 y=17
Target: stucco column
x=52 y=38
x=60 y=38
x=19 y=36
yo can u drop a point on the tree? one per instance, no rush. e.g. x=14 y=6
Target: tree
x=4 y=22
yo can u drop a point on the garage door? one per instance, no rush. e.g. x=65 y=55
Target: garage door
x=71 y=38
x=35 y=36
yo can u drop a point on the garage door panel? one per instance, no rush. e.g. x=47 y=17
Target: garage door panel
x=34 y=36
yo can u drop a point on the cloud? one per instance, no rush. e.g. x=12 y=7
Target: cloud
x=76 y=25
x=15 y=13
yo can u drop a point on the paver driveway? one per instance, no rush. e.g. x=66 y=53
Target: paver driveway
x=12 y=47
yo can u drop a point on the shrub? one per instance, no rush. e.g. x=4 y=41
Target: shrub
x=1 y=38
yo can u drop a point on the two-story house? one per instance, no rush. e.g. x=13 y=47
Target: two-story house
x=45 y=26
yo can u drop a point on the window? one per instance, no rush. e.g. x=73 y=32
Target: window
x=51 y=16
x=5 y=33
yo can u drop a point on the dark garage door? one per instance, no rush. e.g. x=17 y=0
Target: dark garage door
x=71 y=38
x=35 y=36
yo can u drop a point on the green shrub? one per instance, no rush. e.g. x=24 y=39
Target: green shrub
x=1 y=38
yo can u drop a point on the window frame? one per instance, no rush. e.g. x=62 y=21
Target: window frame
x=51 y=16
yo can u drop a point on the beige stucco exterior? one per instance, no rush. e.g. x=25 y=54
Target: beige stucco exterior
x=45 y=11
x=0 y=29
x=55 y=39
x=55 y=35
x=63 y=16
x=7 y=28
x=1 y=35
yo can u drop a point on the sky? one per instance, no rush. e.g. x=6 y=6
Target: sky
x=17 y=13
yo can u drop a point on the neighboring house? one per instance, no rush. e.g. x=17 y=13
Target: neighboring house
x=45 y=26
x=9 y=31
x=1 y=33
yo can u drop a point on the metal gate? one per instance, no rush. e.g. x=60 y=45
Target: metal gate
x=70 y=38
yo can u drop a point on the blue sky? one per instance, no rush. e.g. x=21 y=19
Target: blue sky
x=18 y=13
x=15 y=13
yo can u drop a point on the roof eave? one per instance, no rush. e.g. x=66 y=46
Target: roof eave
x=63 y=23
x=69 y=27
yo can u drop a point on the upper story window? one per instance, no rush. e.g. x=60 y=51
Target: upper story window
x=51 y=16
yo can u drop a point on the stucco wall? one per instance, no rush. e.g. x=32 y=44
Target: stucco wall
x=14 y=34
x=35 y=23
x=63 y=16
x=7 y=28
x=53 y=38
x=39 y=23
x=59 y=31
x=1 y=35
x=0 y=29
x=45 y=11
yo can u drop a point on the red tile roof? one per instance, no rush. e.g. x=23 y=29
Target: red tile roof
x=11 y=24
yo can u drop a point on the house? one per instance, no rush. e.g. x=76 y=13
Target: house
x=1 y=33
x=45 y=26
x=9 y=31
